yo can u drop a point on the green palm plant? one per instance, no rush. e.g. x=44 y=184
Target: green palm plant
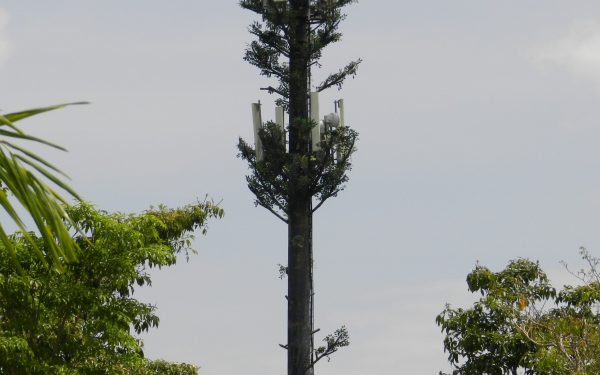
x=29 y=181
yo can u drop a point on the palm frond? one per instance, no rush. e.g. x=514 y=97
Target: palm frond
x=29 y=179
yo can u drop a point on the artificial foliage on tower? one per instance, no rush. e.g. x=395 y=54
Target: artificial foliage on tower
x=320 y=174
x=295 y=169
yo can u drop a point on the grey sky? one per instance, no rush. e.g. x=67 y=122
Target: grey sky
x=479 y=124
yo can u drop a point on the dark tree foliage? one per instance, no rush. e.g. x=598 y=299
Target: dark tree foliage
x=320 y=174
x=271 y=51
x=85 y=319
x=323 y=172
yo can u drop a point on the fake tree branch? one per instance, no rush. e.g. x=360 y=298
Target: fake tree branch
x=261 y=199
x=322 y=201
x=328 y=160
x=283 y=92
x=272 y=90
x=339 y=169
x=324 y=10
x=266 y=205
x=266 y=59
x=272 y=190
x=337 y=79
x=323 y=35
x=333 y=342
x=271 y=38
x=265 y=191
x=253 y=5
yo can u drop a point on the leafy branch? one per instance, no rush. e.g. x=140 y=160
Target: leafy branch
x=327 y=174
x=333 y=342
x=337 y=79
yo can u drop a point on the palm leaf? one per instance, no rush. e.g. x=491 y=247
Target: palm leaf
x=20 y=135
x=23 y=176
x=16 y=116
x=33 y=156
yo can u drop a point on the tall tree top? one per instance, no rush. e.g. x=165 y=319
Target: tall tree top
x=270 y=51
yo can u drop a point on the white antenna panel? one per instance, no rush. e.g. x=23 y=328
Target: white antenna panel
x=314 y=116
x=341 y=108
x=257 y=123
x=279 y=117
x=279 y=120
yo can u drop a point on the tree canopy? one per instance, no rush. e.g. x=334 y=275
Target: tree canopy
x=523 y=325
x=84 y=320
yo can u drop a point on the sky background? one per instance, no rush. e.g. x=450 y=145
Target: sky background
x=479 y=126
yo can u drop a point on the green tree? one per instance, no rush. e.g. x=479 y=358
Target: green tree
x=521 y=324
x=568 y=337
x=289 y=41
x=23 y=177
x=84 y=320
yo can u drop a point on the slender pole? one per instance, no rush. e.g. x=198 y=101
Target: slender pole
x=300 y=199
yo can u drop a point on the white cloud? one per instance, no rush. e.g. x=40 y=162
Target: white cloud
x=578 y=52
x=4 y=43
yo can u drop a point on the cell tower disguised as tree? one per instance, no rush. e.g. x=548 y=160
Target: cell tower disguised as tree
x=295 y=169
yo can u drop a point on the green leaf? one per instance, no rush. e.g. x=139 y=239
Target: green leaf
x=16 y=116
x=22 y=176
